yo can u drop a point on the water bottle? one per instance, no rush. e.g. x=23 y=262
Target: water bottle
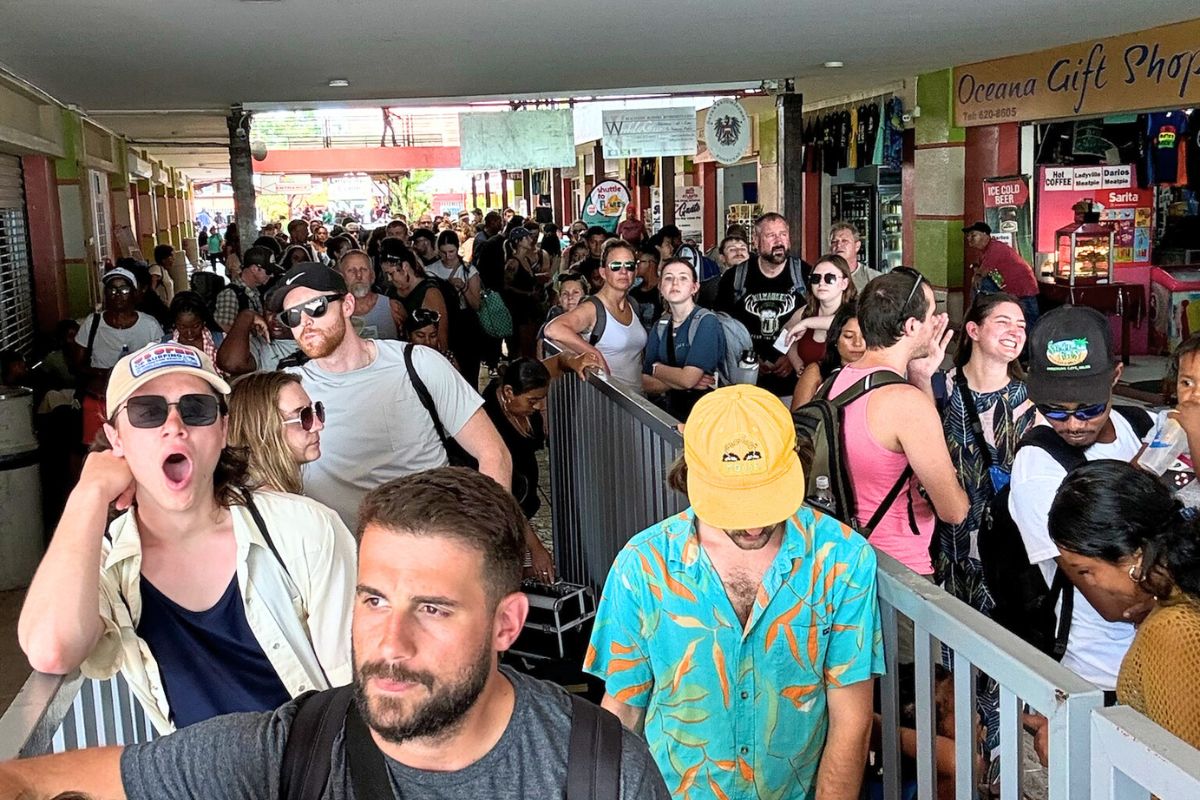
x=822 y=498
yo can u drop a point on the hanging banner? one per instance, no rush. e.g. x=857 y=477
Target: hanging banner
x=1158 y=68
x=728 y=131
x=689 y=212
x=605 y=204
x=517 y=140
x=649 y=132
x=1006 y=210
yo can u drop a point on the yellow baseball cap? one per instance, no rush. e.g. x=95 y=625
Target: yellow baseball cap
x=742 y=469
x=154 y=361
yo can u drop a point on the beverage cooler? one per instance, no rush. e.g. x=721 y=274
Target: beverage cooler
x=1174 y=305
x=857 y=203
x=875 y=207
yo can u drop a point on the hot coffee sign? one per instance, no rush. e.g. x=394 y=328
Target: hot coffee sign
x=1158 y=68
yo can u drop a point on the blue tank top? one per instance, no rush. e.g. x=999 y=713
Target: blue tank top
x=210 y=662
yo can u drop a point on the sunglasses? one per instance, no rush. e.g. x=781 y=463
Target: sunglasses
x=151 y=410
x=918 y=279
x=1083 y=413
x=122 y=289
x=426 y=316
x=628 y=266
x=307 y=414
x=828 y=277
x=314 y=308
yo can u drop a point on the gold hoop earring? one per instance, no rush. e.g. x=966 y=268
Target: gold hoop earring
x=1138 y=569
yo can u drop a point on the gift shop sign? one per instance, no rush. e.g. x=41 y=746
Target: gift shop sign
x=1158 y=68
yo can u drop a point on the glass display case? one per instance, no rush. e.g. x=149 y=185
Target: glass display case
x=1085 y=253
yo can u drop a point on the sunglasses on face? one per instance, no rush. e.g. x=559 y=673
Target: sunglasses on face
x=426 y=316
x=151 y=410
x=828 y=277
x=314 y=308
x=123 y=289
x=617 y=266
x=1083 y=413
x=306 y=416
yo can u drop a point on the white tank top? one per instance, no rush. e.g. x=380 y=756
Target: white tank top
x=622 y=346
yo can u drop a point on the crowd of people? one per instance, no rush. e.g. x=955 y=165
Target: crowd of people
x=295 y=484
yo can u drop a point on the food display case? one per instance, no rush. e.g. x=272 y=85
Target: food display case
x=1084 y=253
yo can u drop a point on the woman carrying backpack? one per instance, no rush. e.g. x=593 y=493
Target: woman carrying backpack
x=684 y=348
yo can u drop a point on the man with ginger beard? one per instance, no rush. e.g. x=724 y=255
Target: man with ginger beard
x=376 y=316
x=353 y=376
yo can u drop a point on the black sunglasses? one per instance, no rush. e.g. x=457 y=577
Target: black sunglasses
x=918 y=279
x=628 y=266
x=426 y=316
x=828 y=277
x=314 y=308
x=151 y=410
x=305 y=418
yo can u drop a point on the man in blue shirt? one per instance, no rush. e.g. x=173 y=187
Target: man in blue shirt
x=742 y=635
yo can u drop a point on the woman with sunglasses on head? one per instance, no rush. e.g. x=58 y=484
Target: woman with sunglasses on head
x=829 y=285
x=272 y=416
x=844 y=344
x=209 y=597
x=685 y=346
x=421 y=328
x=414 y=288
x=605 y=324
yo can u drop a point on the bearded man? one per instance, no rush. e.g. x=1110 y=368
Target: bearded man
x=376 y=316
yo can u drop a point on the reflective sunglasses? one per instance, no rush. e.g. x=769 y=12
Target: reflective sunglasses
x=1083 y=413
x=151 y=410
x=628 y=266
x=307 y=414
x=828 y=277
x=426 y=316
x=122 y=289
x=314 y=308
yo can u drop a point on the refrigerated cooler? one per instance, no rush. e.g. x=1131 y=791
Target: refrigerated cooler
x=875 y=208
x=856 y=203
x=1174 y=305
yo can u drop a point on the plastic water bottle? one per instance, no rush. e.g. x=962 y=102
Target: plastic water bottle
x=822 y=498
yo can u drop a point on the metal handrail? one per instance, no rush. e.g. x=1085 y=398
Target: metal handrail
x=1133 y=758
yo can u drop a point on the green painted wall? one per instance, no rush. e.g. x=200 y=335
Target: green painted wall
x=934 y=97
x=79 y=301
x=939 y=246
x=67 y=167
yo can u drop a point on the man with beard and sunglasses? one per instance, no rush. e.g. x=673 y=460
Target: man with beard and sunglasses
x=376 y=316
x=207 y=597
x=749 y=616
x=431 y=714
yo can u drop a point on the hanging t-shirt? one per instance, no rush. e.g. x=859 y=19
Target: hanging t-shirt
x=852 y=139
x=1166 y=131
x=1192 y=149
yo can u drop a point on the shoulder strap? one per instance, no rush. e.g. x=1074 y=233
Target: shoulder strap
x=699 y=314
x=968 y=401
x=423 y=393
x=601 y=319
x=796 y=266
x=308 y=752
x=92 y=337
x=594 y=757
x=1137 y=418
x=868 y=383
x=739 y=279
x=1044 y=438
x=368 y=771
x=1061 y=585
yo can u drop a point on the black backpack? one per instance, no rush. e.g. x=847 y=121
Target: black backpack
x=1023 y=603
x=820 y=422
x=593 y=759
x=208 y=285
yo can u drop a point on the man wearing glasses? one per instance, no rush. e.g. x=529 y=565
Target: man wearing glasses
x=1071 y=376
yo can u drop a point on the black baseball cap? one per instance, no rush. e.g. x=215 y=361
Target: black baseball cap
x=982 y=227
x=1070 y=358
x=308 y=275
x=396 y=250
x=422 y=233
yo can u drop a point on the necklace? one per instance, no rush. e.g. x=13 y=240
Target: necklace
x=522 y=425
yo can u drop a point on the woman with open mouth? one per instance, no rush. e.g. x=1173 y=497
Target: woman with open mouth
x=212 y=598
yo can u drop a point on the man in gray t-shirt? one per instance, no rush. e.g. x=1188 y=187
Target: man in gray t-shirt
x=438 y=598
x=376 y=428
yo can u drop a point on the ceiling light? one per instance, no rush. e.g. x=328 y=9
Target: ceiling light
x=833 y=65
x=339 y=83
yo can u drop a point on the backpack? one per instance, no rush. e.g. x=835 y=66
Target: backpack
x=208 y=285
x=602 y=316
x=1023 y=603
x=742 y=270
x=820 y=422
x=593 y=756
x=734 y=337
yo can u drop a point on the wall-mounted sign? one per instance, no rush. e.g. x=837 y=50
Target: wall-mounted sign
x=605 y=204
x=299 y=183
x=1158 y=68
x=728 y=131
x=649 y=132
x=689 y=212
x=530 y=139
x=1006 y=210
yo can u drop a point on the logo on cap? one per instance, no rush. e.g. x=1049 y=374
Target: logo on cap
x=742 y=456
x=1067 y=353
x=161 y=357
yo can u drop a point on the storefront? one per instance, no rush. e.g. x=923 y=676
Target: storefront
x=1109 y=150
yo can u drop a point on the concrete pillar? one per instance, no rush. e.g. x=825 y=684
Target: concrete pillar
x=45 y=242
x=241 y=172
x=706 y=178
x=790 y=169
x=556 y=197
x=147 y=217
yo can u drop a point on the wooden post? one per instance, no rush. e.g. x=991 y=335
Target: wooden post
x=791 y=168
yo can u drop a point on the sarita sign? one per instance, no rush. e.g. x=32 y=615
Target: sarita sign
x=1158 y=68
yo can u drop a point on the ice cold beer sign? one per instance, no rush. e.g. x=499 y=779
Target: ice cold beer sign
x=1158 y=68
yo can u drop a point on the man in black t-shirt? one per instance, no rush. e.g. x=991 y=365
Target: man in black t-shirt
x=762 y=294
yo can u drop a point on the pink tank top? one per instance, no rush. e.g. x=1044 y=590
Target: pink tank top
x=874 y=470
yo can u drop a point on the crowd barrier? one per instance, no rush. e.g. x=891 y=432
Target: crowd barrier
x=610 y=452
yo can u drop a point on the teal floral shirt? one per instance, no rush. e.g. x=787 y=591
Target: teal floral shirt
x=737 y=714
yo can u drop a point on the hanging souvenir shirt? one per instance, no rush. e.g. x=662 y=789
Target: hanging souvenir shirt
x=852 y=140
x=893 y=152
x=1166 y=131
x=828 y=148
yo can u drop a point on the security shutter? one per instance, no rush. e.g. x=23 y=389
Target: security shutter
x=16 y=273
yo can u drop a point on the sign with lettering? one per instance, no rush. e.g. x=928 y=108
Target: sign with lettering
x=689 y=212
x=649 y=132
x=605 y=204
x=1089 y=177
x=1158 y=68
x=728 y=131
x=1006 y=210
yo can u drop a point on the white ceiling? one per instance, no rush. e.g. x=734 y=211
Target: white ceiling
x=207 y=54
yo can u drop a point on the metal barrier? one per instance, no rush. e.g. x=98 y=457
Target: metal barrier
x=1133 y=758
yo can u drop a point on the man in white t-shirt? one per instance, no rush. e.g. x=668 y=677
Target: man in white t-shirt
x=1071 y=375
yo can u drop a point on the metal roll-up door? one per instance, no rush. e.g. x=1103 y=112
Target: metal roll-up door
x=16 y=272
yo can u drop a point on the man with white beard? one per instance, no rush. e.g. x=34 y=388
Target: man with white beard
x=376 y=316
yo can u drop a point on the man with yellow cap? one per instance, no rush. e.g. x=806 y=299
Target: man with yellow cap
x=741 y=636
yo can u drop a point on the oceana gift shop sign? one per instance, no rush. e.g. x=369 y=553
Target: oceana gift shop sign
x=1158 y=68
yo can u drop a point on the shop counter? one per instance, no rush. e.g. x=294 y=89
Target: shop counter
x=1124 y=300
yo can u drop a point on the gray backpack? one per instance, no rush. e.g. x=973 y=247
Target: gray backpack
x=737 y=343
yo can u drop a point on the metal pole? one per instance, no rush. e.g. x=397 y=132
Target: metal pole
x=241 y=173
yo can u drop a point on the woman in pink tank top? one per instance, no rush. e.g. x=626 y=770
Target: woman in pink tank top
x=874 y=470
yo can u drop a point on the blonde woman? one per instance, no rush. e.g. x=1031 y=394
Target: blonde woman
x=272 y=416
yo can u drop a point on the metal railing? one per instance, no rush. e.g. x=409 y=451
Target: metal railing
x=1132 y=759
